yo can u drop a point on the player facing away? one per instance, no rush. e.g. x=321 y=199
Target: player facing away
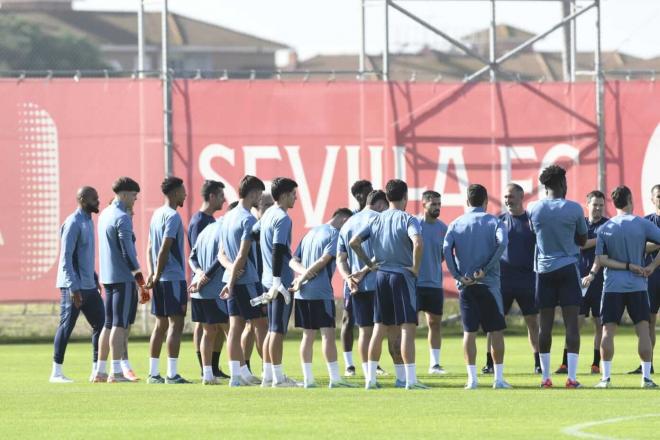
x=560 y=231
x=396 y=240
x=592 y=277
x=620 y=250
x=77 y=280
x=360 y=282
x=119 y=272
x=473 y=246
x=214 y=197
x=167 y=277
x=518 y=281
x=430 y=295
x=314 y=264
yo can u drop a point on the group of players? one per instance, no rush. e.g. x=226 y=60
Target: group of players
x=247 y=282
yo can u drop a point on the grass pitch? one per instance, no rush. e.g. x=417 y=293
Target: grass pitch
x=30 y=407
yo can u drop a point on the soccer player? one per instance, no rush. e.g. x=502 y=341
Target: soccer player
x=396 y=240
x=77 y=280
x=430 y=296
x=517 y=270
x=214 y=197
x=620 y=249
x=119 y=273
x=560 y=230
x=274 y=229
x=473 y=246
x=167 y=277
x=592 y=277
x=360 y=284
x=314 y=262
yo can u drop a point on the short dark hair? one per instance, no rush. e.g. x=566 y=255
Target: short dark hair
x=125 y=184
x=430 y=194
x=477 y=194
x=211 y=187
x=360 y=190
x=621 y=196
x=343 y=212
x=656 y=186
x=282 y=185
x=376 y=195
x=553 y=176
x=232 y=205
x=248 y=184
x=516 y=187
x=396 y=190
x=170 y=183
x=595 y=193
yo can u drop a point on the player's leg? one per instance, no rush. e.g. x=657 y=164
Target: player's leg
x=571 y=323
x=546 y=322
x=100 y=374
x=234 y=350
x=434 y=323
x=598 y=334
x=306 y=356
x=68 y=317
x=637 y=304
x=394 y=342
x=532 y=323
x=94 y=313
x=126 y=367
x=488 y=368
x=497 y=351
x=260 y=331
x=176 y=301
x=121 y=307
x=346 y=335
x=491 y=317
x=611 y=312
x=198 y=332
x=158 y=334
x=278 y=322
x=375 y=351
x=470 y=316
x=405 y=314
x=470 y=356
x=209 y=334
x=247 y=342
x=362 y=312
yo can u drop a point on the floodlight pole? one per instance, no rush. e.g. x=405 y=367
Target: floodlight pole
x=140 y=35
x=573 y=58
x=386 y=42
x=492 y=42
x=600 y=101
x=167 y=93
x=363 y=39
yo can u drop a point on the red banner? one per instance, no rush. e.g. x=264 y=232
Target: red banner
x=58 y=135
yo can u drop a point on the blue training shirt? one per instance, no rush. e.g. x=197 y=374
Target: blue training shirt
x=655 y=219
x=433 y=236
x=273 y=228
x=517 y=262
x=166 y=223
x=588 y=256
x=117 y=255
x=198 y=222
x=75 y=270
x=203 y=256
x=236 y=227
x=319 y=241
x=354 y=225
x=556 y=222
x=623 y=239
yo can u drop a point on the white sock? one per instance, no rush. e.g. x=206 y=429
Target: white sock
x=545 y=365
x=267 y=372
x=400 y=372
x=365 y=369
x=607 y=369
x=333 y=371
x=153 y=367
x=208 y=372
x=125 y=365
x=371 y=370
x=572 y=365
x=57 y=369
x=94 y=366
x=646 y=370
x=116 y=367
x=499 y=372
x=234 y=369
x=171 y=367
x=100 y=367
x=472 y=374
x=411 y=374
x=308 y=375
x=245 y=372
x=348 y=359
x=278 y=373
x=435 y=357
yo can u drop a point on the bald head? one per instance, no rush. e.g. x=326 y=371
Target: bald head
x=88 y=199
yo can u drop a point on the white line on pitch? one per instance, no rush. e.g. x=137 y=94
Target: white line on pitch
x=576 y=430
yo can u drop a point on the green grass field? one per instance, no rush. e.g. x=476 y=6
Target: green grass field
x=31 y=407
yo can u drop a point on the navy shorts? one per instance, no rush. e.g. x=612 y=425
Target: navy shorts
x=364 y=308
x=134 y=306
x=239 y=303
x=561 y=287
x=209 y=311
x=170 y=298
x=396 y=301
x=313 y=314
x=654 y=291
x=524 y=296
x=430 y=299
x=636 y=303
x=479 y=307
x=592 y=298
x=279 y=314
x=118 y=301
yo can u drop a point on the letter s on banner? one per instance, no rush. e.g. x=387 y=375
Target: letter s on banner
x=211 y=152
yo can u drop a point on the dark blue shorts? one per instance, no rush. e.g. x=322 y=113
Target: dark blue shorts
x=524 y=296
x=479 y=307
x=239 y=303
x=636 y=303
x=364 y=308
x=396 y=301
x=279 y=314
x=170 y=298
x=209 y=311
x=134 y=306
x=118 y=301
x=430 y=299
x=592 y=298
x=313 y=314
x=561 y=287
x=654 y=291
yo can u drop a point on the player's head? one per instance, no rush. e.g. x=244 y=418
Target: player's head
x=595 y=204
x=232 y=205
x=174 y=190
x=513 y=197
x=283 y=191
x=126 y=190
x=554 y=179
x=250 y=188
x=360 y=190
x=396 y=191
x=377 y=200
x=213 y=193
x=340 y=216
x=477 y=196
x=655 y=196
x=88 y=199
x=431 y=202
x=622 y=198
x=265 y=202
